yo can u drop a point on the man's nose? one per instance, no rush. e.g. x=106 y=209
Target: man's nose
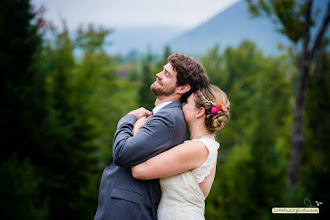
x=159 y=75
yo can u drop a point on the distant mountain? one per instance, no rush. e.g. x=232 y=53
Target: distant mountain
x=231 y=27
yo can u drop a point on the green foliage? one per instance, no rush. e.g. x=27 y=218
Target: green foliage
x=19 y=41
x=22 y=105
x=20 y=191
x=214 y=64
x=146 y=96
x=163 y=60
x=93 y=39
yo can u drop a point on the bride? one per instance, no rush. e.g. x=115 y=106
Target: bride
x=187 y=171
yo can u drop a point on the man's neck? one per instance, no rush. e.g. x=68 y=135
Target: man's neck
x=161 y=100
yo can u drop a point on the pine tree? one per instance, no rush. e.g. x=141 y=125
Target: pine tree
x=146 y=96
x=23 y=106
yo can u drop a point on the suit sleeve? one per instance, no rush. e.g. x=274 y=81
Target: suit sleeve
x=153 y=138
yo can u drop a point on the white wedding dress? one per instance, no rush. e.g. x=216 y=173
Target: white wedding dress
x=182 y=198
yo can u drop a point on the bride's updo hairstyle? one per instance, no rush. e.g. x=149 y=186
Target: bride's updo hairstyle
x=216 y=105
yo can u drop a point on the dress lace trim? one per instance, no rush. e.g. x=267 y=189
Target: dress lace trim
x=203 y=171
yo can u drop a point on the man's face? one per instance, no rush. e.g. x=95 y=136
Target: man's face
x=165 y=85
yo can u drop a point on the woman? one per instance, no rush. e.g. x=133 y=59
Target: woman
x=187 y=171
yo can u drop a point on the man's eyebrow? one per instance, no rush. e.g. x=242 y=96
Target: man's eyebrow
x=166 y=70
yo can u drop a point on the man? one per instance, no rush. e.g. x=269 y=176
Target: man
x=120 y=195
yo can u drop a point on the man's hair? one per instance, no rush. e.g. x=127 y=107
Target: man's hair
x=189 y=71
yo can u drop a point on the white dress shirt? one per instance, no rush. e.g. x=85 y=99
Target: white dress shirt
x=160 y=106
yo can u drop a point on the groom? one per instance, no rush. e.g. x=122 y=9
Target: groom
x=120 y=195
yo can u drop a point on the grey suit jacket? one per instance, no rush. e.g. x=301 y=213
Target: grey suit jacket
x=120 y=195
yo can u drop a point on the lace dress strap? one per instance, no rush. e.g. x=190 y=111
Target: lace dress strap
x=203 y=171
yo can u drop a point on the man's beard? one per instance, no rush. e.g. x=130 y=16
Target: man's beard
x=162 y=92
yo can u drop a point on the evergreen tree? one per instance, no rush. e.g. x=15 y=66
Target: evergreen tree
x=163 y=60
x=19 y=42
x=146 y=96
x=23 y=105
x=213 y=63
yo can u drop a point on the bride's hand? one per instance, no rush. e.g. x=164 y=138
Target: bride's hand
x=139 y=124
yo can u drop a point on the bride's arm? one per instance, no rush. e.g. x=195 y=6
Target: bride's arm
x=187 y=156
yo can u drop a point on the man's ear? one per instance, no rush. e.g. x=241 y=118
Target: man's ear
x=183 y=89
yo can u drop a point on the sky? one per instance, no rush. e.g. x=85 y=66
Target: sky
x=120 y=14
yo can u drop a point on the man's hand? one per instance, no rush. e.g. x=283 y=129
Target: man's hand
x=140 y=112
x=139 y=124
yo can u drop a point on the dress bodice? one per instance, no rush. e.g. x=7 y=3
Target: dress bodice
x=182 y=197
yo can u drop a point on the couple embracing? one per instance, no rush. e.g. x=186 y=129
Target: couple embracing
x=154 y=172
